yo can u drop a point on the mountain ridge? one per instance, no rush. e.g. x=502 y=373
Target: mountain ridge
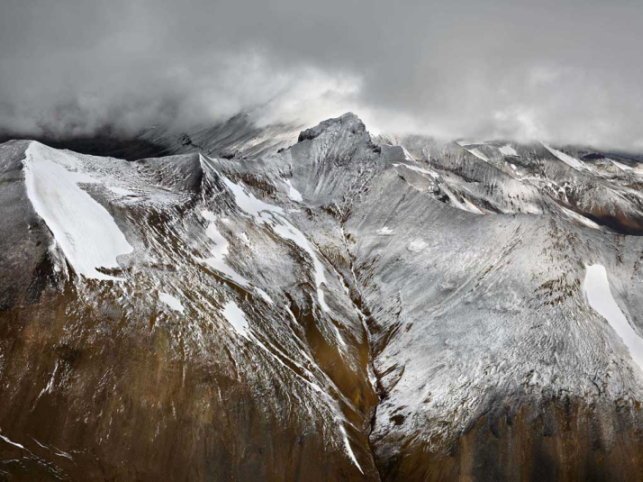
x=341 y=309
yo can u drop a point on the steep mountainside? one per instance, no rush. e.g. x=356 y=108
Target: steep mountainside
x=346 y=308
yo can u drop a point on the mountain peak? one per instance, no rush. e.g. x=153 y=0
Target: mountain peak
x=347 y=122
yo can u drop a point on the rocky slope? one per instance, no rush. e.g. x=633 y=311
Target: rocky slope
x=346 y=308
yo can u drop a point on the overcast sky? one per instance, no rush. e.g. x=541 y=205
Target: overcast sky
x=566 y=71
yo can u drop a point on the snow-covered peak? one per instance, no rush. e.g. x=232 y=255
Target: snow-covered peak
x=348 y=124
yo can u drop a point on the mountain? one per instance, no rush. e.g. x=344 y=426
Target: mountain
x=332 y=306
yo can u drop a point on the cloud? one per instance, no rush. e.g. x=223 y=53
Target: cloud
x=562 y=71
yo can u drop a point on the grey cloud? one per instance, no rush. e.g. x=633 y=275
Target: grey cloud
x=563 y=71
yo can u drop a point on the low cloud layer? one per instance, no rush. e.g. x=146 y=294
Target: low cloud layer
x=561 y=71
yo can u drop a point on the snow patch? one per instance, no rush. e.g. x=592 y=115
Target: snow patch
x=265 y=296
x=580 y=218
x=288 y=231
x=293 y=194
x=385 y=231
x=237 y=318
x=508 y=150
x=54 y=450
x=464 y=205
x=566 y=158
x=470 y=142
x=479 y=154
x=171 y=301
x=121 y=191
x=219 y=251
x=248 y=203
x=407 y=154
x=599 y=296
x=85 y=231
x=265 y=213
x=417 y=245
x=11 y=442
x=469 y=206
x=349 y=449
x=433 y=174
x=621 y=166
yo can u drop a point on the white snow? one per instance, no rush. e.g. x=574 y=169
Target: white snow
x=56 y=451
x=469 y=206
x=474 y=150
x=266 y=297
x=85 y=231
x=566 y=158
x=288 y=231
x=580 y=218
x=171 y=301
x=407 y=154
x=599 y=296
x=479 y=154
x=293 y=194
x=339 y=337
x=508 y=150
x=417 y=245
x=433 y=174
x=349 y=449
x=267 y=213
x=470 y=142
x=465 y=205
x=121 y=191
x=385 y=231
x=237 y=318
x=219 y=251
x=11 y=442
x=248 y=203
x=621 y=166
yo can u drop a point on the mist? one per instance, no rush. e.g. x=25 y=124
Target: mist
x=564 y=72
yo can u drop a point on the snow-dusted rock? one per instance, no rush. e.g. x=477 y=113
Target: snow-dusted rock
x=343 y=309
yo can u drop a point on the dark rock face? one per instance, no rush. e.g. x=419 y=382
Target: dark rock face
x=344 y=309
x=24 y=260
x=348 y=123
x=108 y=145
x=123 y=404
x=559 y=440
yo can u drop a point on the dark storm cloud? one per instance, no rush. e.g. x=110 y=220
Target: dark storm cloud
x=565 y=71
